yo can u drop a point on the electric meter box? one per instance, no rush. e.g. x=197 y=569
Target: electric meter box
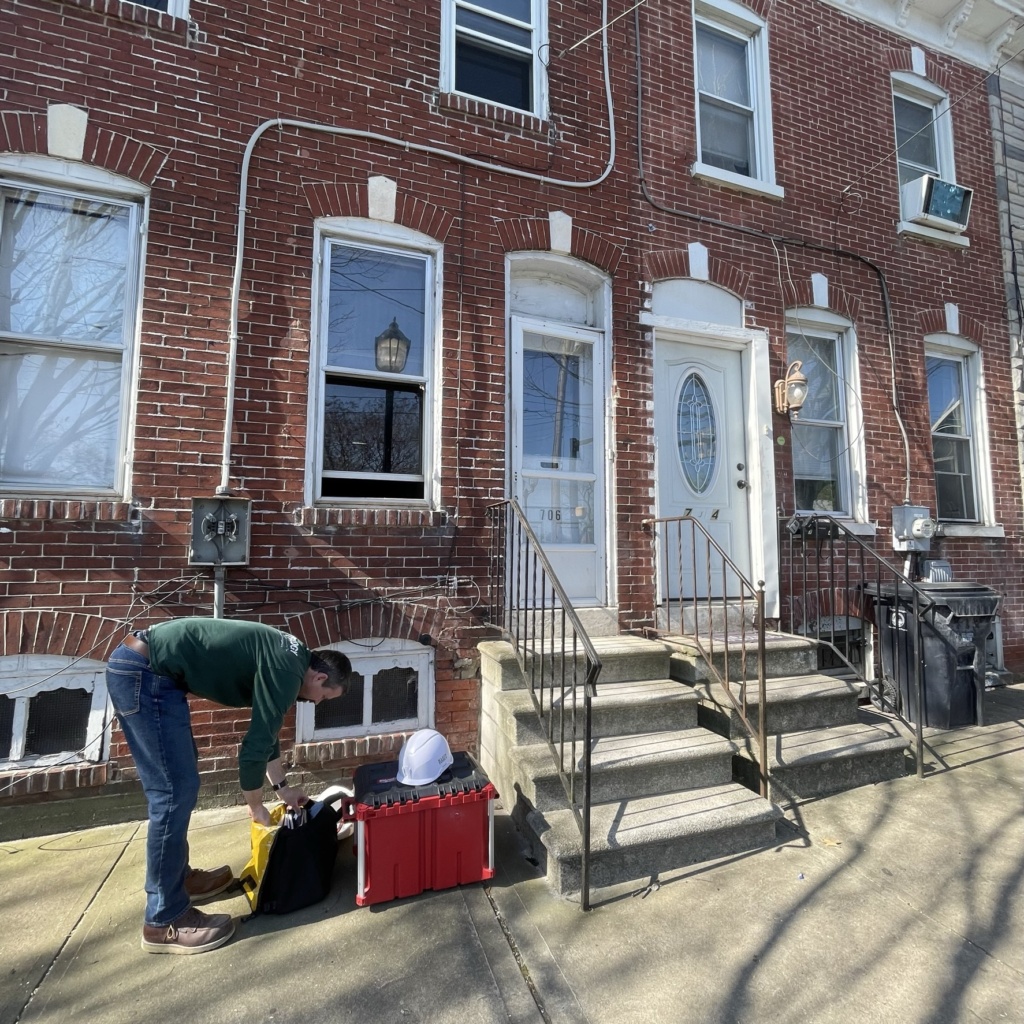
x=912 y=528
x=220 y=531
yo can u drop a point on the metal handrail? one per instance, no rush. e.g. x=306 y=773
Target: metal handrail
x=736 y=592
x=848 y=583
x=534 y=613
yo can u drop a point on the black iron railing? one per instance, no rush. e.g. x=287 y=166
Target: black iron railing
x=703 y=596
x=560 y=665
x=835 y=589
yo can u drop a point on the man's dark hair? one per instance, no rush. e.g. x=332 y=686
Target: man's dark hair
x=335 y=664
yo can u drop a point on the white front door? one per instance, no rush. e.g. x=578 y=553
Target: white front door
x=702 y=469
x=558 y=451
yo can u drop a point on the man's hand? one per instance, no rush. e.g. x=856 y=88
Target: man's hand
x=260 y=815
x=293 y=797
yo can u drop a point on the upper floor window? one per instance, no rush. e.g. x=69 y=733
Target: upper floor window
x=68 y=285
x=491 y=51
x=373 y=418
x=931 y=201
x=959 y=438
x=177 y=8
x=828 y=469
x=734 y=131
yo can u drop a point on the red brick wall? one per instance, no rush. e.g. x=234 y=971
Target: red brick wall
x=173 y=108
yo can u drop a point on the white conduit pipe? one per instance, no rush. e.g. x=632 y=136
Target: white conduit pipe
x=389 y=140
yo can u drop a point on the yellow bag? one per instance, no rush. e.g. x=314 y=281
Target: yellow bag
x=262 y=839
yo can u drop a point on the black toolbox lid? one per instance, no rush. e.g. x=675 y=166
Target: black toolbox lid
x=377 y=785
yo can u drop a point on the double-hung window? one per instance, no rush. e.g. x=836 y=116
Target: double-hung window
x=491 y=51
x=733 y=102
x=955 y=430
x=373 y=415
x=68 y=287
x=827 y=447
x=931 y=203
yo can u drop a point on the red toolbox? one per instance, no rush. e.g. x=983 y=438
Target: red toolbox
x=411 y=838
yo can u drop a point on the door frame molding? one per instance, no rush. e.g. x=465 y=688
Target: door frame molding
x=759 y=434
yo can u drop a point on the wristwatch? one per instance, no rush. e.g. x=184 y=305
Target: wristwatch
x=279 y=785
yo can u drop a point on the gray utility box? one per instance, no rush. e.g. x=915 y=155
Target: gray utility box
x=956 y=621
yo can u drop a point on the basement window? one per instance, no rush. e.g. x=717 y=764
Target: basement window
x=391 y=690
x=52 y=711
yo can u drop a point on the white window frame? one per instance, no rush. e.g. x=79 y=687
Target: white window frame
x=956 y=347
x=539 y=38
x=917 y=89
x=175 y=8
x=64 y=179
x=23 y=676
x=731 y=19
x=369 y=657
x=402 y=241
x=820 y=323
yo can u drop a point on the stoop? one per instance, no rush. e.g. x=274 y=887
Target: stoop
x=663 y=792
x=820 y=740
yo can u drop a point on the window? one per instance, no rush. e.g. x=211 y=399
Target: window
x=52 y=711
x=176 y=8
x=376 y=345
x=924 y=147
x=391 y=690
x=828 y=461
x=68 y=278
x=491 y=52
x=953 y=436
x=733 y=104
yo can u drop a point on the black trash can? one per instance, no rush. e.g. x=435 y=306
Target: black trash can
x=956 y=622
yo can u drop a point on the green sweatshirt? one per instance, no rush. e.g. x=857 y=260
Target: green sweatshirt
x=239 y=664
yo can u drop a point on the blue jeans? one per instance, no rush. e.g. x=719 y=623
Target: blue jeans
x=154 y=716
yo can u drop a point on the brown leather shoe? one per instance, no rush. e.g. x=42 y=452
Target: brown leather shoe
x=204 y=885
x=192 y=932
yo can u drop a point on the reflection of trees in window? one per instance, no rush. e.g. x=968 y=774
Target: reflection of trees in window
x=372 y=429
x=951 y=439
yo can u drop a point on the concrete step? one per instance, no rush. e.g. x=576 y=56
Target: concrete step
x=635 y=765
x=793 y=703
x=815 y=762
x=642 y=837
x=617 y=709
x=785 y=655
x=624 y=658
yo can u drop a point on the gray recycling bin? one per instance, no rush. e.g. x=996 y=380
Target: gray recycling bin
x=950 y=645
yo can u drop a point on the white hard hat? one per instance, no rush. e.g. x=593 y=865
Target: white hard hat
x=424 y=757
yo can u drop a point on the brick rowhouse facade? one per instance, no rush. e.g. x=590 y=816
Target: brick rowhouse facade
x=169 y=104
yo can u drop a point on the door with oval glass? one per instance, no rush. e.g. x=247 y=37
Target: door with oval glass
x=700 y=417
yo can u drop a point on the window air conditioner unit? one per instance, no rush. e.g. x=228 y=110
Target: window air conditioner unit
x=937 y=203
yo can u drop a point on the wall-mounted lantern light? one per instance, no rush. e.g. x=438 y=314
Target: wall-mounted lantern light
x=791 y=391
x=391 y=349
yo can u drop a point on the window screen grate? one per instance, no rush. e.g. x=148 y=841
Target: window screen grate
x=395 y=695
x=58 y=721
x=340 y=712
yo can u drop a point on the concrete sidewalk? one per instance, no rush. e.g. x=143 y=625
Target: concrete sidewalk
x=900 y=903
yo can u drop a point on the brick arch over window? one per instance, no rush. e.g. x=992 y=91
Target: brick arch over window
x=72 y=634
x=321 y=626
x=666 y=264
x=801 y=294
x=933 y=321
x=349 y=199
x=900 y=59
x=119 y=154
x=533 y=234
